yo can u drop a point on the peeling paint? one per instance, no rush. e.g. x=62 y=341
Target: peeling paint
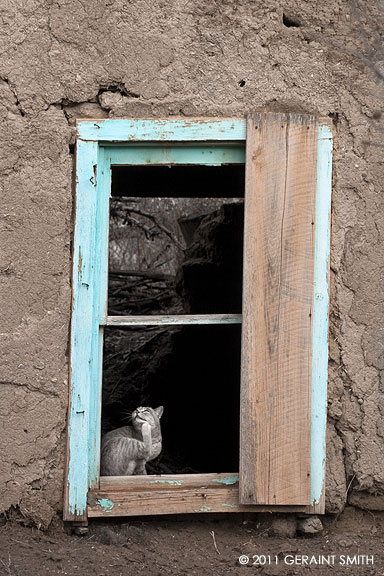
x=169 y=482
x=320 y=313
x=228 y=480
x=80 y=264
x=177 y=129
x=105 y=504
x=230 y=505
x=205 y=509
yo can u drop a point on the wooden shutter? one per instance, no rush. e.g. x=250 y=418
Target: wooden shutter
x=277 y=309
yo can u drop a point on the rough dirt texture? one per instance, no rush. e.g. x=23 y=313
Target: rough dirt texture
x=186 y=547
x=69 y=59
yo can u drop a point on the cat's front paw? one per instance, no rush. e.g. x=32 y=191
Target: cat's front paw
x=146 y=427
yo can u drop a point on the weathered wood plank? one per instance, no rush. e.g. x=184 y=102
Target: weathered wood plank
x=161 y=481
x=170 y=494
x=102 y=178
x=168 y=320
x=320 y=318
x=162 y=129
x=203 y=155
x=277 y=309
x=83 y=322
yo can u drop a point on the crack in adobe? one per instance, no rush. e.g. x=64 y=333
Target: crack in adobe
x=29 y=387
x=14 y=92
x=116 y=86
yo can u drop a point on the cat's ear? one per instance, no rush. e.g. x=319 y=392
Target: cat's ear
x=159 y=411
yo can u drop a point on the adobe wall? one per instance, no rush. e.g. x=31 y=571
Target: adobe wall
x=70 y=59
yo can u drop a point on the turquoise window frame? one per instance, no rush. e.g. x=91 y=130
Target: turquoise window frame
x=101 y=144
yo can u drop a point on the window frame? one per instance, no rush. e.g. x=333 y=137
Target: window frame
x=100 y=143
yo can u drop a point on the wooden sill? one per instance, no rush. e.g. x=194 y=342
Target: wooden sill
x=171 y=494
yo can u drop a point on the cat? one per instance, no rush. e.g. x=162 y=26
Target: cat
x=126 y=450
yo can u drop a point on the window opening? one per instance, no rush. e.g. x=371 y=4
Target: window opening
x=194 y=372
x=176 y=249
x=214 y=146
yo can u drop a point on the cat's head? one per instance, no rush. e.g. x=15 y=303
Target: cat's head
x=146 y=414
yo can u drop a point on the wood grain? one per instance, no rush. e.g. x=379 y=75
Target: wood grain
x=320 y=317
x=153 y=482
x=170 y=494
x=277 y=309
x=82 y=328
x=162 y=129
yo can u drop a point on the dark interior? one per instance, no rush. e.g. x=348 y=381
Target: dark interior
x=194 y=372
x=193 y=267
x=227 y=181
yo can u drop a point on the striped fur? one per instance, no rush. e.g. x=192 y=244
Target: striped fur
x=125 y=451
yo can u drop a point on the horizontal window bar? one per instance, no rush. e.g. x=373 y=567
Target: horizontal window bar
x=186 y=155
x=164 y=320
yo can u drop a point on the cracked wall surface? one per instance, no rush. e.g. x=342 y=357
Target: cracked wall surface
x=67 y=59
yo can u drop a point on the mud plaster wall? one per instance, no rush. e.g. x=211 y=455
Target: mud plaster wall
x=62 y=60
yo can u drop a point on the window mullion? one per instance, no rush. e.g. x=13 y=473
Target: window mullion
x=168 y=320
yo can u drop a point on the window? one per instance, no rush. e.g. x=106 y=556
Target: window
x=284 y=348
